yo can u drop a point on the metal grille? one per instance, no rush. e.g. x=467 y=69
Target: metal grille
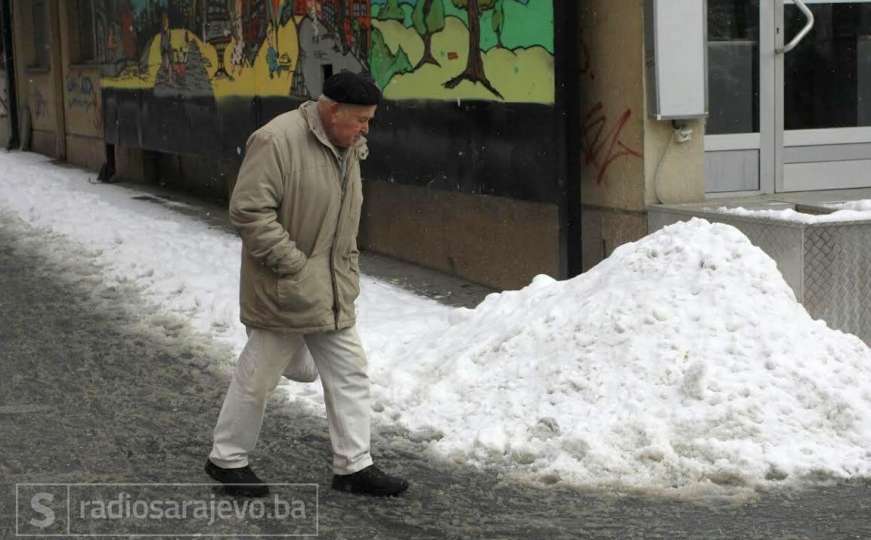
x=837 y=261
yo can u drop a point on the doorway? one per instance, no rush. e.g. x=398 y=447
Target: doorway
x=790 y=96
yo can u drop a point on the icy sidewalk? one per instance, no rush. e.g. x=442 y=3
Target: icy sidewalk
x=681 y=360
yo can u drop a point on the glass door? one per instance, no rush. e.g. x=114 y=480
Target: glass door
x=737 y=150
x=823 y=95
x=790 y=101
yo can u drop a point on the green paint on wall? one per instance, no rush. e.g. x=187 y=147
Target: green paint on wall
x=390 y=10
x=525 y=75
x=526 y=22
x=383 y=64
x=524 y=25
x=529 y=25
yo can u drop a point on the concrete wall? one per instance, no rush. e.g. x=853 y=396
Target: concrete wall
x=39 y=98
x=61 y=114
x=83 y=116
x=625 y=164
x=496 y=241
x=468 y=172
x=457 y=119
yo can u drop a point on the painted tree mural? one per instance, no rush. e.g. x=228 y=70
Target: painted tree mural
x=474 y=71
x=150 y=44
x=497 y=22
x=428 y=18
x=384 y=64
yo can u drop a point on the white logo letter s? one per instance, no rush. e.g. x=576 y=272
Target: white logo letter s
x=36 y=503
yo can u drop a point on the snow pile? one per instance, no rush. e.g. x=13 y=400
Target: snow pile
x=682 y=358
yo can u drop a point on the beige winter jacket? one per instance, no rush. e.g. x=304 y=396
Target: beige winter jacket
x=298 y=216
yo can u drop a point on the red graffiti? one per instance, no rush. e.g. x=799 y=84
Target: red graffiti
x=601 y=147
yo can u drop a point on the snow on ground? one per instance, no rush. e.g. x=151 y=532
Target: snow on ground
x=845 y=211
x=681 y=360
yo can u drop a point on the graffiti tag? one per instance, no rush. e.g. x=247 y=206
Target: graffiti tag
x=40 y=105
x=81 y=92
x=602 y=144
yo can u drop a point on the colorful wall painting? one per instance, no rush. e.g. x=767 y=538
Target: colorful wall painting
x=415 y=49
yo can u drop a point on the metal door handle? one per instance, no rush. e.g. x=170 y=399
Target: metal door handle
x=800 y=36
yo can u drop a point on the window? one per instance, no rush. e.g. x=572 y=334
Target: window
x=83 y=35
x=40 y=34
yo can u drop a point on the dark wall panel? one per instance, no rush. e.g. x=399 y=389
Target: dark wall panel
x=503 y=149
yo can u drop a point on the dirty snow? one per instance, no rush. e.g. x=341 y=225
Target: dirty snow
x=681 y=360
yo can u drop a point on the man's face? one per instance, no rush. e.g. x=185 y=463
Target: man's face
x=347 y=123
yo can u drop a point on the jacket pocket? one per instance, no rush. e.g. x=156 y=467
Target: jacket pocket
x=297 y=292
x=353 y=277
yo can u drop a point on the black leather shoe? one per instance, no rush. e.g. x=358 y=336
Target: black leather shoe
x=370 y=481
x=240 y=482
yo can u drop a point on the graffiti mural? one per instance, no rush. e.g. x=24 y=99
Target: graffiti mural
x=498 y=50
x=80 y=92
x=469 y=49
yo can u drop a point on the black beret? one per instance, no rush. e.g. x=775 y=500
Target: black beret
x=352 y=88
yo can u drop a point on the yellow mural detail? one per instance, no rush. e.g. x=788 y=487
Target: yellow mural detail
x=243 y=79
x=138 y=77
x=134 y=76
x=255 y=80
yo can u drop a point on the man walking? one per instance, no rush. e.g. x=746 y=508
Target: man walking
x=296 y=205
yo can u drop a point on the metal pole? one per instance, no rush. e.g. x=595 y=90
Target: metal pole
x=568 y=130
x=9 y=60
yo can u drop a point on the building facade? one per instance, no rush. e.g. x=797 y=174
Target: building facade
x=470 y=153
x=516 y=137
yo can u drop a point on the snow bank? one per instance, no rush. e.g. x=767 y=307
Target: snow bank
x=682 y=358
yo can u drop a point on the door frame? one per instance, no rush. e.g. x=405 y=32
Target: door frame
x=765 y=140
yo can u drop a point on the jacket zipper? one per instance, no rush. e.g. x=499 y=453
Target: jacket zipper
x=342 y=186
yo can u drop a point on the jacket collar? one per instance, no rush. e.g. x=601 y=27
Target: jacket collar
x=309 y=111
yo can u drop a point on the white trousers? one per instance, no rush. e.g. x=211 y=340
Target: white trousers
x=341 y=363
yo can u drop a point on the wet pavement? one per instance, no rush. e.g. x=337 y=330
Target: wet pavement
x=97 y=386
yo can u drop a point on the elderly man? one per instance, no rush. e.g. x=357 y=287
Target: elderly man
x=297 y=206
